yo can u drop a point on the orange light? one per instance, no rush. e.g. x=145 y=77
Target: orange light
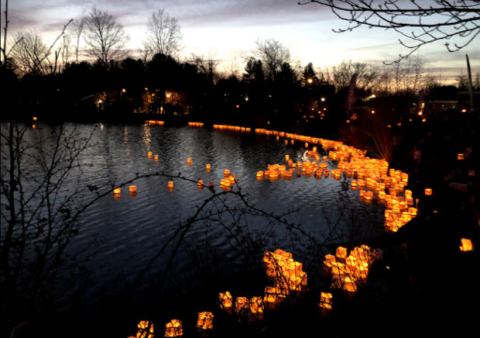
x=373 y=111
x=34 y=118
x=466 y=245
x=149 y=154
x=460 y=157
x=116 y=191
x=170 y=184
x=428 y=192
x=132 y=188
x=144 y=328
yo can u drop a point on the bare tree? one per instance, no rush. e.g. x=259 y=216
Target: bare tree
x=273 y=55
x=342 y=74
x=145 y=53
x=105 y=37
x=163 y=33
x=67 y=41
x=29 y=54
x=418 y=24
x=77 y=31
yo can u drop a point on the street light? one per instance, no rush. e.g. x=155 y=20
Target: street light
x=323 y=99
x=124 y=90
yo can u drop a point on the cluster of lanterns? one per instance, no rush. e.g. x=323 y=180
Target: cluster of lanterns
x=152 y=122
x=234 y=128
x=195 y=124
x=349 y=271
x=371 y=177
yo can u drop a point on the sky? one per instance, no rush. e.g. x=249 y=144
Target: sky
x=228 y=29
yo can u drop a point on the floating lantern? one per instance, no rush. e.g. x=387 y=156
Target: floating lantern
x=208 y=166
x=205 y=321
x=287 y=157
x=149 y=154
x=226 y=300
x=460 y=157
x=156 y=158
x=226 y=172
x=241 y=304
x=428 y=192
x=34 y=118
x=189 y=161
x=145 y=329
x=132 y=188
x=466 y=245
x=170 y=184
x=33 y=126
x=116 y=193
x=174 y=328
x=341 y=252
x=325 y=301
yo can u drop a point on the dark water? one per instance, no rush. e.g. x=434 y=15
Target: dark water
x=133 y=229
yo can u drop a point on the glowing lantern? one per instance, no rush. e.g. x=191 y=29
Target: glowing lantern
x=466 y=245
x=200 y=184
x=133 y=190
x=428 y=192
x=145 y=329
x=156 y=158
x=226 y=300
x=241 y=304
x=205 y=321
x=256 y=305
x=116 y=193
x=325 y=301
x=33 y=126
x=226 y=172
x=460 y=157
x=174 y=328
x=34 y=118
x=341 y=252
x=149 y=154
x=287 y=157
x=170 y=184
x=306 y=144
x=208 y=166
x=189 y=161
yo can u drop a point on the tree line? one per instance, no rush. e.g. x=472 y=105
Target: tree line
x=89 y=68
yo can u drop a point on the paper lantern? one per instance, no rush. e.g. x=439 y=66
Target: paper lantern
x=34 y=118
x=149 y=154
x=241 y=304
x=341 y=252
x=325 y=301
x=145 y=329
x=189 y=161
x=170 y=184
x=226 y=300
x=226 y=172
x=466 y=245
x=460 y=156
x=156 y=158
x=174 y=328
x=205 y=321
x=208 y=166
x=132 y=188
x=33 y=126
x=428 y=192
x=256 y=305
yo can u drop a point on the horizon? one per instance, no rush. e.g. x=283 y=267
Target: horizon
x=227 y=30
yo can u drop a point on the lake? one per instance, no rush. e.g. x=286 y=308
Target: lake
x=131 y=230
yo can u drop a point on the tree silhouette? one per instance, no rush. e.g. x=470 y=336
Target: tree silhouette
x=418 y=24
x=104 y=37
x=163 y=33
